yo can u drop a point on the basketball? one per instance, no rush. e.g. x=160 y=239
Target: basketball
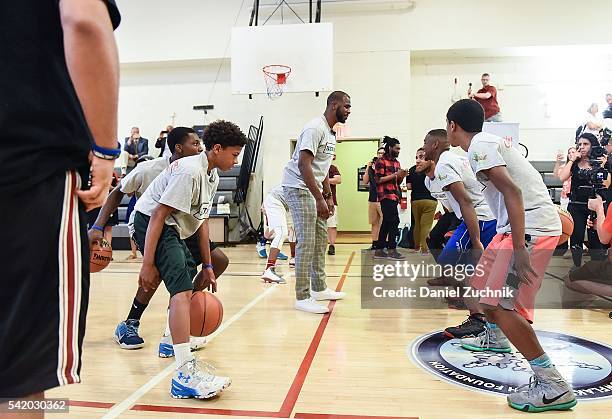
x=100 y=255
x=567 y=225
x=206 y=313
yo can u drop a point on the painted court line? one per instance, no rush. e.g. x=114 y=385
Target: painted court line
x=129 y=401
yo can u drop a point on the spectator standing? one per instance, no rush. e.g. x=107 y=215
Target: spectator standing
x=487 y=97
x=332 y=222
x=374 y=211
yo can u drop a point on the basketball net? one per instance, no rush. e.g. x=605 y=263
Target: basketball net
x=276 y=77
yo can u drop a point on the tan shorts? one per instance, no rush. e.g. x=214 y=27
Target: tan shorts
x=374 y=213
x=332 y=221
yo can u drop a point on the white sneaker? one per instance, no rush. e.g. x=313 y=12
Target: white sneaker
x=292 y=262
x=197 y=342
x=197 y=380
x=310 y=305
x=270 y=275
x=327 y=294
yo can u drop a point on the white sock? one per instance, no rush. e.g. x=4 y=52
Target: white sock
x=167 y=331
x=182 y=354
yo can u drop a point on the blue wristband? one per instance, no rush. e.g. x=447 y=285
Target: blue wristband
x=106 y=153
x=208 y=265
x=95 y=227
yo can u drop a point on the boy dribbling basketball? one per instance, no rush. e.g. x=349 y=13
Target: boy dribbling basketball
x=175 y=206
x=528 y=229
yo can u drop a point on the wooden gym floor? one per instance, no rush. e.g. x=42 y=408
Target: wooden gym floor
x=285 y=363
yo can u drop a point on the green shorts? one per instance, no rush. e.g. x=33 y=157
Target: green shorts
x=173 y=259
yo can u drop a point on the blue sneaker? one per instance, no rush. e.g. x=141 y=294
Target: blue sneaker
x=166 y=350
x=282 y=256
x=165 y=347
x=261 y=250
x=126 y=335
x=194 y=380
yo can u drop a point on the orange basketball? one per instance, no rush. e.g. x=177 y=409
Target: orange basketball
x=100 y=255
x=567 y=225
x=206 y=313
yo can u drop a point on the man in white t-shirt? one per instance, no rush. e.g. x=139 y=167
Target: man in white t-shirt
x=511 y=269
x=308 y=194
x=174 y=207
x=454 y=177
x=183 y=142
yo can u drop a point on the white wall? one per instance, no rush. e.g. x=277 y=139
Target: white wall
x=171 y=51
x=548 y=95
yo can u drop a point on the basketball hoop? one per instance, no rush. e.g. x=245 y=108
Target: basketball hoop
x=275 y=76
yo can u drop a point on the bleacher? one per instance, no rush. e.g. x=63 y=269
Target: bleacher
x=219 y=224
x=552 y=182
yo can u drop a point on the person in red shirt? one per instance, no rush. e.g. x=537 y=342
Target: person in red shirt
x=487 y=97
x=389 y=176
x=595 y=277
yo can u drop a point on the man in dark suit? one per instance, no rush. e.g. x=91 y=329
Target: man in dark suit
x=136 y=147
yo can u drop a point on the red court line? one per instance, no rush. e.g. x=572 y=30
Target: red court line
x=204 y=411
x=323 y=416
x=294 y=390
x=300 y=377
x=84 y=403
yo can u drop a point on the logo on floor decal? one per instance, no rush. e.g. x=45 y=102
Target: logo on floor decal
x=587 y=365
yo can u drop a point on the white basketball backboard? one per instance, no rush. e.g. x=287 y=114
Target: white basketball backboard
x=306 y=48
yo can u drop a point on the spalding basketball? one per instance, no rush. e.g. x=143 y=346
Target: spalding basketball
x=567 y=225
x=206 y=313
x=100 y=255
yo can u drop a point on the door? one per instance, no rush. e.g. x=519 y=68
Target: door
x=353 y=204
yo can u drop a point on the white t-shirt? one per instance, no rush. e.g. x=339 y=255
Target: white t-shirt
x=139 y=179
x=319 y=139
x=187 y=187
x=452 y=168
x=589 y=117
x=435 y=189
x=541 y=217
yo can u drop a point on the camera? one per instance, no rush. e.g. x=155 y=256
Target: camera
x=606 y=136
x=595 y=176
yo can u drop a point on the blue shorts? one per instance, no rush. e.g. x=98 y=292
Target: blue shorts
x=455 y=251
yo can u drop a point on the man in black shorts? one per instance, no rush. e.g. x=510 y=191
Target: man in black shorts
x=59 y=85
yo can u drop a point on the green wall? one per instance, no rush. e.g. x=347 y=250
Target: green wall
x=353 y=204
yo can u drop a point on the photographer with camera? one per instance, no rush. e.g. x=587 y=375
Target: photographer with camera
x=595 y=277
x=588 y=177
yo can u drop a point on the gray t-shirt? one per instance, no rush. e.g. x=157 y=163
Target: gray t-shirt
x=541 y=217
x=453 y=168
x=139 y=179
x=319 y=139
x=187 y=187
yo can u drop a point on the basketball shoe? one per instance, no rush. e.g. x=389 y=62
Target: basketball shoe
x=270 y=275
x=490 y=339
x=196 y=380
x=472 y=326
x=126 y=335
x=547 y=390
x=166 y=350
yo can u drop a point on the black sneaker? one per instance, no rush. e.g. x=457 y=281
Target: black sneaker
x=380 y=254
x=395 y=255
x=472 y=326
x=332 y=250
